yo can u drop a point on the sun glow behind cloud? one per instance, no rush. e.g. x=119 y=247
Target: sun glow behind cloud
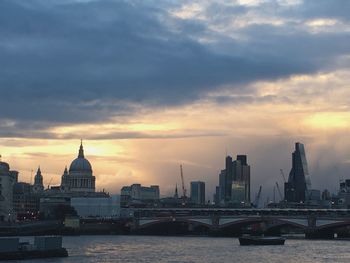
x=170 y=136
x=329 y=120
x=176 y=82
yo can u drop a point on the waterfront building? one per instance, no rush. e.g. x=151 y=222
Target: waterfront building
x=198 y=193
x=76 y=195
x=26 y=202
x=95 y=207
x=295 y=190
x=56 y=207
x=7 y=180
x=137 y=195
x=80 y=177
x=344 y=194
x=38 y=186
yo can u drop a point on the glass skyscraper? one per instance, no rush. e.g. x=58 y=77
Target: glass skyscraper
x=299 y=179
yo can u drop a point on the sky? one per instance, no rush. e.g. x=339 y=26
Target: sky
x=149 y=85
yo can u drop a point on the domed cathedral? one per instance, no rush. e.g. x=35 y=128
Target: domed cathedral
x=79 y=178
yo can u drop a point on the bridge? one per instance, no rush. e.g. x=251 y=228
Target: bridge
x=314 y=223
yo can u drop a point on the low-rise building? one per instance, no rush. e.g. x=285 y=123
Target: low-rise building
x=106 y=207
x=137 y=195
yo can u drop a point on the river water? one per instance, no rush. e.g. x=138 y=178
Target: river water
x=86 y=249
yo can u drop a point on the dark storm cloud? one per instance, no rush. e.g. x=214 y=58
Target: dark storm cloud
x=77 y=61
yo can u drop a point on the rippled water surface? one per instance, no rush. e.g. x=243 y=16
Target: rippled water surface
x=87 y=249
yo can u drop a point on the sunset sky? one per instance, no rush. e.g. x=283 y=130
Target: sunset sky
x=149 y=85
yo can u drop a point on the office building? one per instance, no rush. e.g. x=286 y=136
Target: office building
x=26 y=201
x=236 y=172
x=198 y=193
x=238 y=193
x=95 y=207
x=7 y=180
x=222 y=183
x=295 y=190
x=137 y=195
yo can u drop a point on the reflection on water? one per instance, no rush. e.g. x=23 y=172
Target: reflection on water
x=85 y=249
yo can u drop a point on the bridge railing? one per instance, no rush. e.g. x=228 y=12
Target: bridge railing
x=194 y=212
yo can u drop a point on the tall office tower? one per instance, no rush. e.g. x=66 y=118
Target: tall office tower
x=217 y=195
x=245 y=175
x=228 y=177
x=299 y=180
x=242 y=159
x=222 y=186
x=241 y=176
x=237 y=171
x=198 y=192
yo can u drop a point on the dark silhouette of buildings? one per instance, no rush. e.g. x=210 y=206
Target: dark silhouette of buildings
x=198 y=193
x=298 y=185
x=234 y=182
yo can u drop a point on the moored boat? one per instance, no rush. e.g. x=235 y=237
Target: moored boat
x=261 y=241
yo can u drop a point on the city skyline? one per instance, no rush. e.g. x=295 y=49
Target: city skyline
x=149 y=86
x=187 y=182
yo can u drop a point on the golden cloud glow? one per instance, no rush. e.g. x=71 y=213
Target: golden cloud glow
x=328 y=120
x=321 y=22
x=299 y=106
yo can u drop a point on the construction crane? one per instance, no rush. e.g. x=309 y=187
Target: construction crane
x=257 y=198
x=279 y=191
x=282 y=173
x=183 y=184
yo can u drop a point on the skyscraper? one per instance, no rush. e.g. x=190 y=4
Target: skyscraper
x=299 y=180
x=228 y=177
x=235 y=173
x=222 y=185
x=198 y=192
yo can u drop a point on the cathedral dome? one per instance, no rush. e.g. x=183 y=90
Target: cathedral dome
x=80 y=164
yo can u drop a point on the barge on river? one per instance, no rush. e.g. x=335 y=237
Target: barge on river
x=261 y=241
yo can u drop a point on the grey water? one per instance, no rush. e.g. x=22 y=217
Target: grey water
x=86 y=249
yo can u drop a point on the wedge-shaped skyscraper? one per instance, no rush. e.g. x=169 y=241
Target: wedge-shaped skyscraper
x=295 y=190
